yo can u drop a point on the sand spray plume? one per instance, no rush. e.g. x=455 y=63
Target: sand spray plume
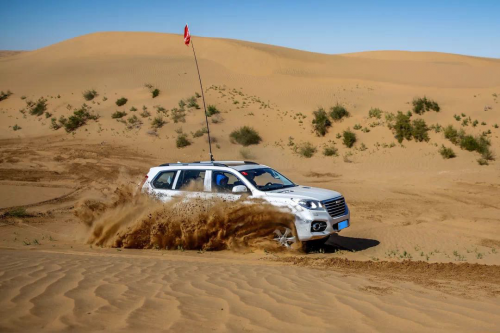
x=139 y=221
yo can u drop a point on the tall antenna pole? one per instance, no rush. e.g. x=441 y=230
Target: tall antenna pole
x=204 y=105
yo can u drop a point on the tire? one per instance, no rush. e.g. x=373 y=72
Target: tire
x=314 y=245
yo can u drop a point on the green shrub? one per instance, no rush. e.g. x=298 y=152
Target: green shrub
x=437 y=128
x=211 y=110
x=357 y=127
x=321 y=123
x=421 y=105
x=197 y=95
x=133 y=109
x=78 y=119
x=118 y=114
x=482 y=161
x=452 y=134
x=155 y=92
x=349 y=138
x=390 y=117
x=447 y=152
x=121 y=101
x=375 y=113
x=54 y=125
x=330 y=150
x=5 y=95
x=487 y=154
x=419 y=130
x=402 y=127
x=16 y=127
x=182 y=104
x=158 y=122
x=134 y=120
x=338 y=112
x=484 y=147
x=145 y=114
x=192 y=103
x=160 y=108
x=17 y=212
x=217 y=119
x=480 y=144
x=178 y=115
x=90 y=94
x=37 y=108
x=182 y=141
x=245 y=136
x=200 y=132
x=468 y=142
x=305 y=149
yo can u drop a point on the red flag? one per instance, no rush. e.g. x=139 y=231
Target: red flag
x=187 y=35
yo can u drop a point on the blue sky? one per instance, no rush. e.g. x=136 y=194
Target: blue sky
x=464 y=27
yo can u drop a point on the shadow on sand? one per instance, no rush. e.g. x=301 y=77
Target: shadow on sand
x=337 y=242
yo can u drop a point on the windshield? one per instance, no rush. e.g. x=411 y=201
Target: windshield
x=267 y=179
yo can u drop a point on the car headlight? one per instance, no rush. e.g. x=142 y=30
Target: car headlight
x=311 y=204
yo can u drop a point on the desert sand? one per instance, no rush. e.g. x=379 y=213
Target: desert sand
x=423 y=249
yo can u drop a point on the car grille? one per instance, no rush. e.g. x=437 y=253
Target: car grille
x=335 y=207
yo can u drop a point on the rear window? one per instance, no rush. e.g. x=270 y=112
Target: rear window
x=165 y=180
x=191 y=180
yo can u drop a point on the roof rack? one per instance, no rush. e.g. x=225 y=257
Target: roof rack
x=215 y=163
x=194 y=163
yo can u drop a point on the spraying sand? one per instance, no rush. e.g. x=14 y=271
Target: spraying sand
x=138 y=221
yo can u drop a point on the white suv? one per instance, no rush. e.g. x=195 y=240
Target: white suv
x=318 y=212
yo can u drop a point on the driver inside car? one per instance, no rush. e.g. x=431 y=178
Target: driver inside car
x=221 y=182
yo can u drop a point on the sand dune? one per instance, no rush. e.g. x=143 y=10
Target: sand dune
x=101 y=290
x=407 y=202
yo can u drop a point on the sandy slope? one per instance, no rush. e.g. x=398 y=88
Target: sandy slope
x=406 y=201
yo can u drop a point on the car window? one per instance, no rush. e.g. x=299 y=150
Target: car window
x=165 y=180
x=267 y=179
x=191 y=180
x=223 y=182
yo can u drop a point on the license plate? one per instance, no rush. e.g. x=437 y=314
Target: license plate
x=342 y=225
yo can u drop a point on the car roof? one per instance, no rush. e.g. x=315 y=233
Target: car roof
x=236 y=165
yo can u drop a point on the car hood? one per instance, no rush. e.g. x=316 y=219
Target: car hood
x=304 y=192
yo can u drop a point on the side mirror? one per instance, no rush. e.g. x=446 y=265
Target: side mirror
x=240 y=189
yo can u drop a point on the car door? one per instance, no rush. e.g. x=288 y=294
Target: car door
x=163 y=183
x=192 y=183
x=222 y=184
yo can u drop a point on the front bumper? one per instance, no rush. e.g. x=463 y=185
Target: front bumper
x=305 y=218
